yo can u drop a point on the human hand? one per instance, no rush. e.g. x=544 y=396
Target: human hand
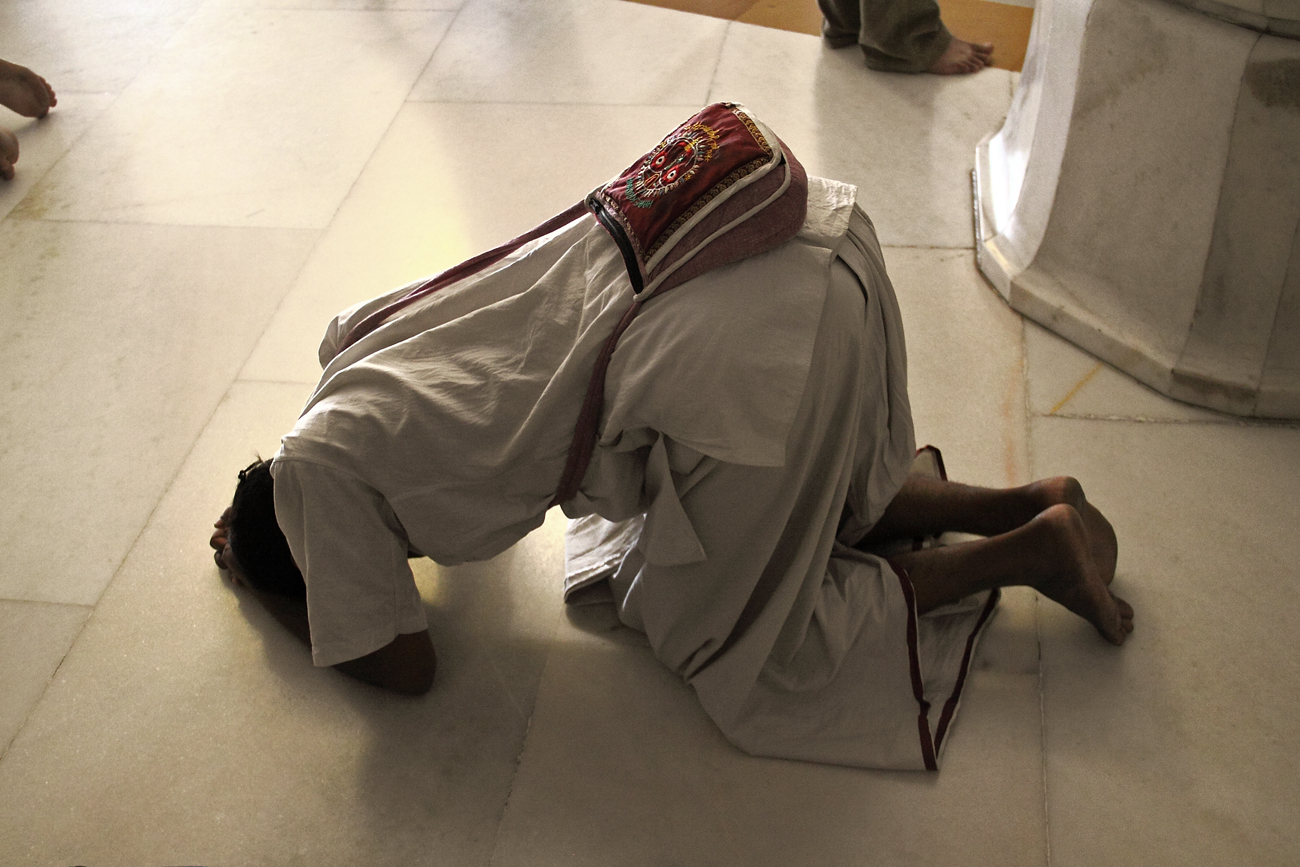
x=222 y=553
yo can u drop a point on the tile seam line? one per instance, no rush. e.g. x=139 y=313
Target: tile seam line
x=523 y=746
x=12 y=600
x=455 y=16
x=54 y=674
x=19 y=218
x=527 y=718
x=695 y=106
x=153 y=57
x=1042 y=735
x=1038 y=621
x=316 y=243
x=1260 y=423
x=171 y=481
x=323 y=230
x=90 y=609
x=925 y=247
x=117 y=569
x=37 y=181
x=519 y=760
x=317 y=10
x=259 y=381
x=709 y=97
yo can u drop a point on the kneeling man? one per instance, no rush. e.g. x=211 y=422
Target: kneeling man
x=740 y=478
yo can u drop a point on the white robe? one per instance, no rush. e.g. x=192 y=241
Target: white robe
x=755 y=425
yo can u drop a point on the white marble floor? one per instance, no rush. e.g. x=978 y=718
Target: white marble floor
x=221 y=176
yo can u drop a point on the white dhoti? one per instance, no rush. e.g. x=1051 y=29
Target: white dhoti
x=798 y=645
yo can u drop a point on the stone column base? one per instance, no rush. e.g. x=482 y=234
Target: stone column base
x=1143 y=198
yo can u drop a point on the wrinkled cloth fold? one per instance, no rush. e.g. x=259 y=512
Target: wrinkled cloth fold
x=797 y=644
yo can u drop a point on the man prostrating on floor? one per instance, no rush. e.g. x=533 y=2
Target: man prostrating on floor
x=703 y=365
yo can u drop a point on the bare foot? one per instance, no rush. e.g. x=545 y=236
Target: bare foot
x=1073 y=579
x=1101 y=535
x=962 y=58
x=8 y=154
x=1101 y=541
x=24 y=91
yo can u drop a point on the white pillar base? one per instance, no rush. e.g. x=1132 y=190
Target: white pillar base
x=1143 y=199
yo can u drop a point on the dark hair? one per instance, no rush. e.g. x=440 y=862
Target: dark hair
x=255 y=536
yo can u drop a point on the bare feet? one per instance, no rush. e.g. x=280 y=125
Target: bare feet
x=24 y=91
x=1101 y=535
x=1051 y=552
x=1072 y=577
x=8 y=154
x=962 y=58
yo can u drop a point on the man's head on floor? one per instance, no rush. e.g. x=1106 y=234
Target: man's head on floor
x=248 y=540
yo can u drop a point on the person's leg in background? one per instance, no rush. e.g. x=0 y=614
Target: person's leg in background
x=901 y=36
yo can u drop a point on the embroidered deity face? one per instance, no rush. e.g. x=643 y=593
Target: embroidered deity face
x=673 y=162
x=669 y=163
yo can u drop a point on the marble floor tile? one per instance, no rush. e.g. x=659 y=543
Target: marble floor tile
x=964 y=365
x=43 y=142
x=623 y=767
x=907 y=141
x=355 y=5
x=34 y=637
x=187 y=727
x=248 y=117
x=443 y=185
x=587 y=51
x=116 y=343
x=89 y=46
x=1065 y=381
x=1182 y=744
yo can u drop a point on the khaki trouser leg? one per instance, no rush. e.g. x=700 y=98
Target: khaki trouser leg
x=895 y=35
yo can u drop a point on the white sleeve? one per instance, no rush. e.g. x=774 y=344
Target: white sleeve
x=352 y=553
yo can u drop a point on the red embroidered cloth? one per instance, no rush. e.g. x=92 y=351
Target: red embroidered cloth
x=682 y=209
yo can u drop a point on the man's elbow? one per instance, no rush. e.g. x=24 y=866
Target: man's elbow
x=417 y=679
x=406 y=666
